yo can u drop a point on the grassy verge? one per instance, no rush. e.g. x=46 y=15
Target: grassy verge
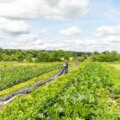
x=114 y=72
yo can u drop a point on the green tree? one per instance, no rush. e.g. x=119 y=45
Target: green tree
x=55 y=56
x=12 y=57
x=19 y=56
x=29 y=58
x=106 y=57
x=4 y=57
x=43 y=57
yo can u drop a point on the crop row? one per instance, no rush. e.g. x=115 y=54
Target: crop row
x=86 y=98
x=27 y=108
x=30 y=82
x=81 y=94
x=12 y=75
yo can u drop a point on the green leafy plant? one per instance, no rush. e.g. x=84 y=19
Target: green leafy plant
x=11 y=75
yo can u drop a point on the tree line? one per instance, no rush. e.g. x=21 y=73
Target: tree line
x=105 y=56
x=34 y=55
x=56 y=55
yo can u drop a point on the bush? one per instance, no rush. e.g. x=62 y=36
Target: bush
x=106 y=57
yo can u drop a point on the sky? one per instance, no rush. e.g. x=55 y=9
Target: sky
x=74 y=25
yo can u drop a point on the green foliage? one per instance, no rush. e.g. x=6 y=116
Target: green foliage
x=19 y=56
x=106 y=57
x=82 y=59
x=0 y=57
x=31 y=55
x=4 y=57
x=43 y=57
x=82 y=94
x=53 y=56
x=28 y=108
x=12 y=58
x=82 y=98
x=29 y=58
x=57 y=55
x=28 y=82
x=11 y=75
x=114 y=71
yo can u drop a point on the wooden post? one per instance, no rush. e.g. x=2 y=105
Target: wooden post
x=66 y=67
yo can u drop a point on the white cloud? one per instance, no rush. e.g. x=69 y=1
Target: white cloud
x=112 y=39
x=77 y=45
x=33 y=42
x=71 y=31
x=109 y=34
x=13 y=26
x=108 y=30
x=6 y=1
x=107 y=38
x=56 y=9
x=16 y=33
x=27 y=38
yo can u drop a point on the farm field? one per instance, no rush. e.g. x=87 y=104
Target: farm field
x=14 y=73
x=59 y=59
x=89 y=92
x=30 y=82
x=117 y=66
